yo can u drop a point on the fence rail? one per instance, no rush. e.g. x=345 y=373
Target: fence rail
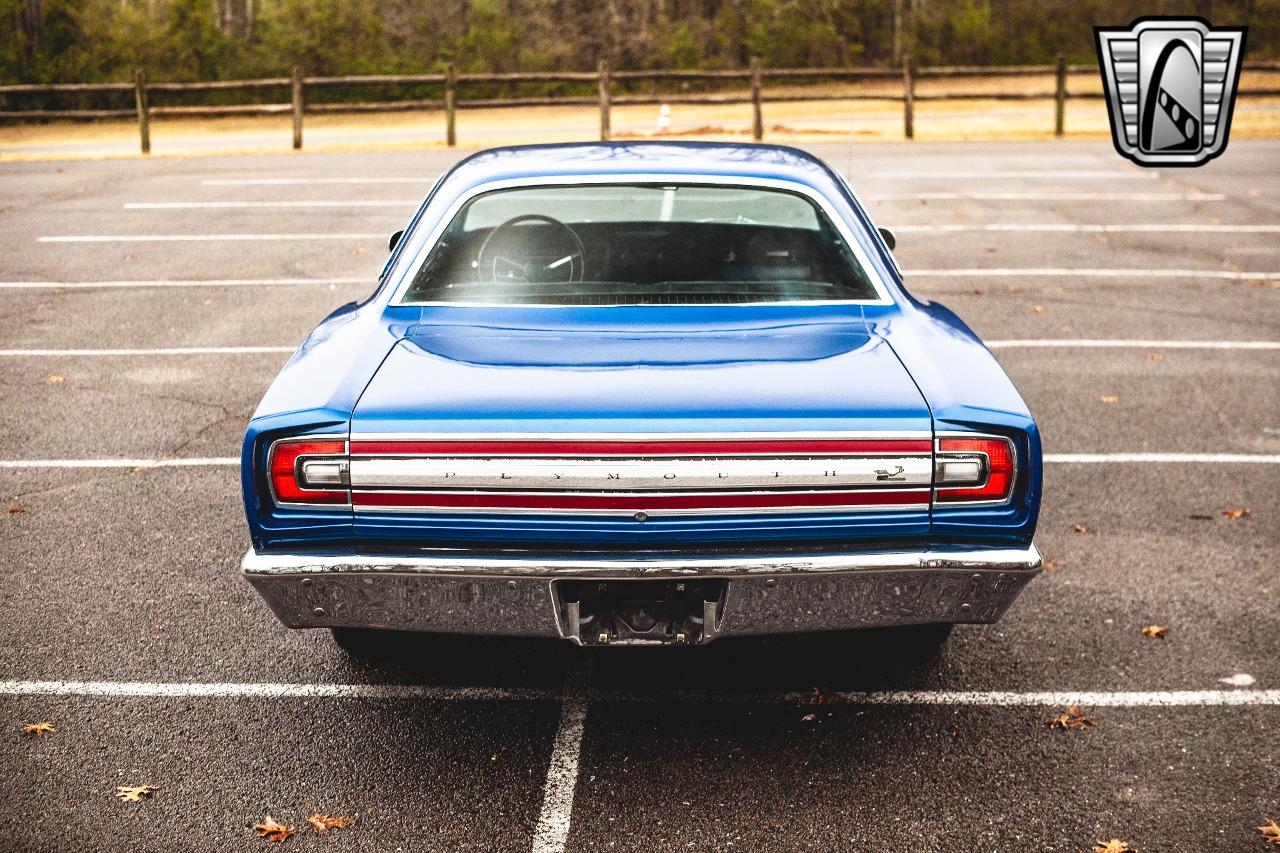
x=603 y=79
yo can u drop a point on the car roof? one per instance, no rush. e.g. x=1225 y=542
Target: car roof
x=715 y=159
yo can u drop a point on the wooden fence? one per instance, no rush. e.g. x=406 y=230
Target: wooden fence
x=605 y=82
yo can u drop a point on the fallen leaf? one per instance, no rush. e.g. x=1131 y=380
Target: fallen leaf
x=1115 y=845
x=1155 y=632
x=275 y=833
x=1052 y=565
x=208 y=302
x=38 y=729
x=13 y=509
x=1234 y=512
x=1080 y=528
x=1072 y=720
x=822 y=697
x=56 y=378
x=358 y=250
x=1270 y=832
x=807 y=718
x=324 y=822
x=1015 y=289
x=1039 y=309
x=977 y=291
x=1200 y=517
x=1109 y=398
x=1155 y=356
x=134 y=793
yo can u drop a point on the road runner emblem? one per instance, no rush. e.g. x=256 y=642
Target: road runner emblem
x=883 y=474
x=1170 y=87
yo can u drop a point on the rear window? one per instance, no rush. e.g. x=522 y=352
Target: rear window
x=639 y=244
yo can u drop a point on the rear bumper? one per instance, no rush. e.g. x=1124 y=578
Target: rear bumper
x=524 y=596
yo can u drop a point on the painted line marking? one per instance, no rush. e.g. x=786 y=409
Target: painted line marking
x=427 y=180
x=1046 y=196
x=423 y=182
x=1091 y=272
x=975 y=272
x=217 y=282
x=984 y=698
x=202 y=238
x=1137 y=227
x=85 y=353
x=1049 y=343
x=1214 y=458
x=1069 y=343
x=190 y=462
x=552 y=830
x=231 y=205
x=1016 y=173
x=941 y=196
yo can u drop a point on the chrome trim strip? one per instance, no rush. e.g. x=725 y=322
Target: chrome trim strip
x=649 y=512
x=628 y=474
x=881 y=435
x=1002 y=559
x=871 y=271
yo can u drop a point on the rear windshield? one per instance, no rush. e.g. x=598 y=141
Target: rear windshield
x=639 y=244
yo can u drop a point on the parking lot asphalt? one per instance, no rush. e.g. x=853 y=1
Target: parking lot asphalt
x=127 y=625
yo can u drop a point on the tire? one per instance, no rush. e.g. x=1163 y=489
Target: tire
x=364 y=643
x=921 y=642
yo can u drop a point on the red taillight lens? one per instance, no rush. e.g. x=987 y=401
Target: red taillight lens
x=1001 y=469
x=285 y=471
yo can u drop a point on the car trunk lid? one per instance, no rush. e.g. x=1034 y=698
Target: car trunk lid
x=625 y=434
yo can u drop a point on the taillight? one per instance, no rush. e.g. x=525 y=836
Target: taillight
x=980 y=469
x=309 y=471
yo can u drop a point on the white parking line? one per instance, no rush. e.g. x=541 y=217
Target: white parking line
x=231 y=205
x=1089 y=272
x=980 y=174
x=89 y=353
x=203 y=238
x=1211 y=458
x=983 y=698
x=1109 y=174
x=189 y=462
x=1074 y=343
x=974 y=272
x=1047 y=343
x=939 y=196
x=425 y=181
x=170 y=282
x=268 y=690
x=554 y=818
x=196 y=462
x=1136 y=227
x=1045 y=196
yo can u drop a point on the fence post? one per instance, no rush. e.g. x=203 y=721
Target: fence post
x=450 y=105
x=297 y=108
x=757 y=119
x=606 y=100
x=144 y=110
x=908 y=100
x=1060 y=98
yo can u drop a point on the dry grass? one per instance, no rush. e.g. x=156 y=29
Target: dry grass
x=800 y=121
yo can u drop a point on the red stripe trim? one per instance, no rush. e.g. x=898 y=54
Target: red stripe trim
x=902 y=497
x=643 y=448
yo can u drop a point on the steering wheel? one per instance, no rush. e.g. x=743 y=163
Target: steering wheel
x=537 y=265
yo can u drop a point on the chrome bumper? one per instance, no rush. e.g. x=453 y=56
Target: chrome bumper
x=521 y=597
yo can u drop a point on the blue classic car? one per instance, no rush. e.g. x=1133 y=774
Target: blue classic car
x=640 y=393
